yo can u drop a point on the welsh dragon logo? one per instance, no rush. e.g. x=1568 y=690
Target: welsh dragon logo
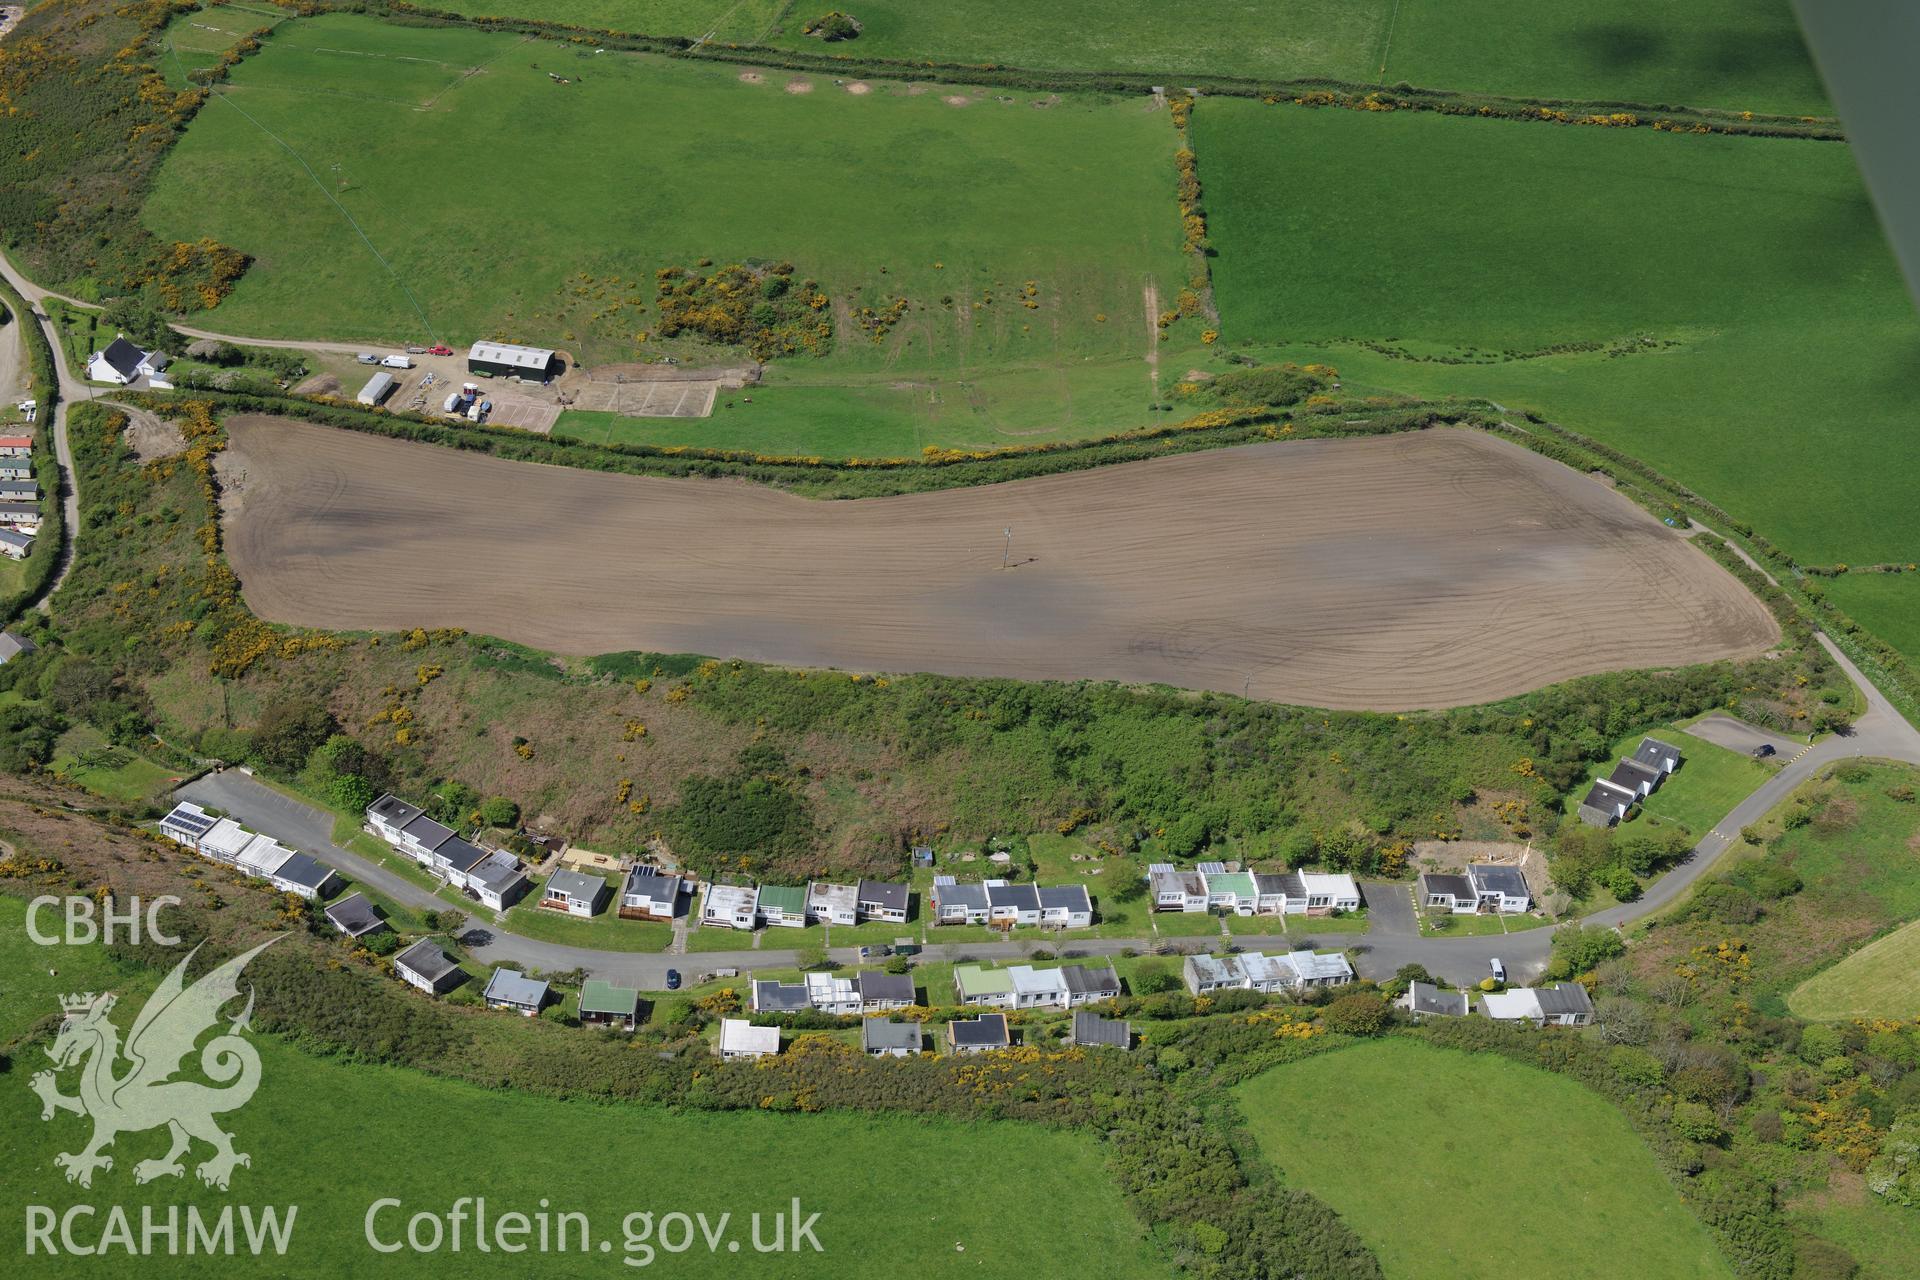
x=146 y=1095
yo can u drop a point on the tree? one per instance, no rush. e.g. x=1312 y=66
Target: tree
x=141 y=324
x=289 y=731
x=1360 y=1014
x=1578 y=949
x=27 y=735
x=351 y=792
x=1151 y=979
x=498 y=811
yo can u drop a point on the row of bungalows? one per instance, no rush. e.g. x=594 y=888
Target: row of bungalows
x=20 y=514
x=225 y=841
x=492 y=877
x=426 y=965
x=1001 y=904
x=1633 y=779
x=1256 y=971
x=1493 y=888
x=897 y=1038
x=736 y=906
x=1211 y=887
x=1025 y=987
x=1564 y=1004
x=863 y=993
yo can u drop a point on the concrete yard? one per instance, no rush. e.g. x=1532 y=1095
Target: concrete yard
x=1431 y=569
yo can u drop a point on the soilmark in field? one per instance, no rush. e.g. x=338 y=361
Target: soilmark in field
x=1433 y=569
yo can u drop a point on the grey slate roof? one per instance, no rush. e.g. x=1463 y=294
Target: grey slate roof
x=1564 y=998
x=13 y=646
x=515 y=987
x=309 y=873
x=394 y=811
x=972 y=894
x=1090 y=1029
x=780 y=997
x=577 y=885
x=495 y=871
x=427 y=959
x=886 y=986
x=1633 y=775
x=1072 y=897
x=646 y=882
x=1424 y=997
x=353 y=915
x=1657 y=754
x=123 y=356
x=458 y=853
x=1442 y=883
x=1493 y=878
x=1020 y=897
x=1287 y=885
x=989 y=1030
x=1082 y=979
x=886 y=1033
x=1605 y=798
x=429 y=833
x=885 y=893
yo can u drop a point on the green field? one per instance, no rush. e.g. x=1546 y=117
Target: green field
x=1427 y=1152
x=331 y=1138
x=1888 y=604
x=1439 y=236
x=727 y=21
x=1876 y=981
x=417 y=202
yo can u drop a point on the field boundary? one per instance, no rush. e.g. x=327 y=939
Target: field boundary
x=1305 y=90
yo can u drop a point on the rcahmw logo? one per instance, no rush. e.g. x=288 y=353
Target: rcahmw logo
x=148 y=1094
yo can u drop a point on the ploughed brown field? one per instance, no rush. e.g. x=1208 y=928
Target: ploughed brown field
x=1438 y=568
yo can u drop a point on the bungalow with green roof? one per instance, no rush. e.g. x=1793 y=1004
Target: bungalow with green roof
x=604 y=1005
x=1232 y=891
x=976 y=985
x=783 y=905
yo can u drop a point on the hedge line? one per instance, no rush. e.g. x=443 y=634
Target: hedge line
x=830 y=477
x=1306 y=90
x=43 y=384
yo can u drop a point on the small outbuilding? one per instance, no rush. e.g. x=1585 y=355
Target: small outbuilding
x=511 y=989
x=354 y=916
x=378 y=388
x=604 y=1005
x=427 y=967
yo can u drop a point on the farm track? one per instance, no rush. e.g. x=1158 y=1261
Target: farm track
x=1437 y=569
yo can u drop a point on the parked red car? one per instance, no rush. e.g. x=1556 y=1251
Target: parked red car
x=441 y=350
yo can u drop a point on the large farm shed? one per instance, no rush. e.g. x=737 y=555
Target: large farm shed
x=505 y=360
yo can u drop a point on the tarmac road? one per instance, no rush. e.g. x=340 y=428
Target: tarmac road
x=1392 y=941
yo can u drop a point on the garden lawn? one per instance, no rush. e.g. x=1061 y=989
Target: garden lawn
x=84 y=758
x=1876 y=981
x=605 y=931
x=405 y=182
x=1758 y=260
x=1710 y=781
x=1423 y=1151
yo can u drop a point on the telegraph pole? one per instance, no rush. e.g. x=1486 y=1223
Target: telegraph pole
x=1007 y=553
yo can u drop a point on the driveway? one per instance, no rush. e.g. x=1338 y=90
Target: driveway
x=1390 y=909
x=1724 y=730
